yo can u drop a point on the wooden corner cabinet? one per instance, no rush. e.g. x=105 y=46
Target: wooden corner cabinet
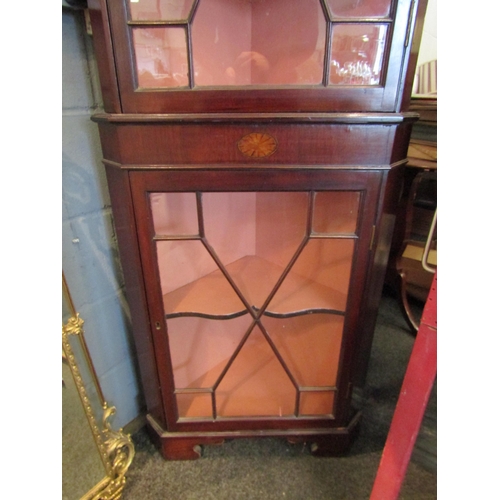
x=253 y=151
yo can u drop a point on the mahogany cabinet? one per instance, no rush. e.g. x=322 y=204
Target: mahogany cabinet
x=253 y=151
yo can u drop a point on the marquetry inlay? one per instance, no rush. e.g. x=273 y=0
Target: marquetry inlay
x=257 y=145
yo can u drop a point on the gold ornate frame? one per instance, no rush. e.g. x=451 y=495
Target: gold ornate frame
x=115 y=448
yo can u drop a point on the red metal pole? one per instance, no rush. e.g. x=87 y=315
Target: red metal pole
x=411 y=405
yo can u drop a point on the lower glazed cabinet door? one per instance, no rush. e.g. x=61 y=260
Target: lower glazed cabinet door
x=254 y=283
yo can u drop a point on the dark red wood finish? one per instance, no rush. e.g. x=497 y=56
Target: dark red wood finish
x=125 y=227
x=336 y=138
x=363 y=141
x=391 y=96
x=267 y=179
x=104 y=55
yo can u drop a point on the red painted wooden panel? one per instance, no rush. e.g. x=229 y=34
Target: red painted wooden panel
x=411 y=405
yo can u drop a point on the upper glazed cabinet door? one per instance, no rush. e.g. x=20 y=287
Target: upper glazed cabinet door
x=175 y=56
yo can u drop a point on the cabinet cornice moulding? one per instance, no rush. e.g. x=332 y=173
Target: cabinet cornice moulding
x=334 y=118
x=256 y=166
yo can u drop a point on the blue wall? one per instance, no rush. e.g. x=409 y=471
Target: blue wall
x=90 y=258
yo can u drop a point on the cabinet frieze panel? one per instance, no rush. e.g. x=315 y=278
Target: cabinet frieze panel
x=217 y=144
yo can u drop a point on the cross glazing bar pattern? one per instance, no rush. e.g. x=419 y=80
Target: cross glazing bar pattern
x=256 y=313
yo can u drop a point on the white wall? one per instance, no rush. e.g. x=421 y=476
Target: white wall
x=428 y=45
x=89 y=252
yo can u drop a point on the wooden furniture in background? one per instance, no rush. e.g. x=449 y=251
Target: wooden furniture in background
x=417 y=206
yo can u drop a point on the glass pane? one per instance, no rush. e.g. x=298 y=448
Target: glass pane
x=159 y=10
x=191 y=282
x=253 y=239
x=200 y=348
x=319 y=278
x=174 y=214
x=194 y=405
x=359 y=8
x=336 y=212
x=357 y=54
x=161 y=57
x=256 y=384
x=316 y=403
x=309 y=345
x=269 y=42
x=255 y=235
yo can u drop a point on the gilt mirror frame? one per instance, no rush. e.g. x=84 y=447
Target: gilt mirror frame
x=115 y=448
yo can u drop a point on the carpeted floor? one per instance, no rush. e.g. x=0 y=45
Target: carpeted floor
x=273 y=469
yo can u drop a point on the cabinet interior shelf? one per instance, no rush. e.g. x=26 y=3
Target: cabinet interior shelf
x=304 y=321
x=212 y=296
